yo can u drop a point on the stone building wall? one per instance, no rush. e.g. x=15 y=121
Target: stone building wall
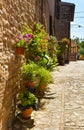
x=13 y=15
x=52 y=14
x=38 y=14
x=46 y=14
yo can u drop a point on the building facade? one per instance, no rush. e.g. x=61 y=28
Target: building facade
x=63 y=16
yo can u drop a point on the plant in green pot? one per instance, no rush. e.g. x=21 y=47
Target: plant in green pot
x=27 y=103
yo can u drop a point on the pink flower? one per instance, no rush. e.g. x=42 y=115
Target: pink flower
x=21 y=37
x=30 y=35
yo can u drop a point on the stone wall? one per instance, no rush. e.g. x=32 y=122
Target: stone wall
x=52 y=13
x=13 y=15
x=63 y=29
x=46 y=14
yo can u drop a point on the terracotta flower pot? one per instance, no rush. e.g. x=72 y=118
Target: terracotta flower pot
x=42 y=87
x=27 y=112
x=20 y=50
x=31 y=86
x=30 y=83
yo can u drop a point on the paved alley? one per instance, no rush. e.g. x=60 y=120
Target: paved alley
x=62 y=108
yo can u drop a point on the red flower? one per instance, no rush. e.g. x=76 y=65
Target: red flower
x=36 y=58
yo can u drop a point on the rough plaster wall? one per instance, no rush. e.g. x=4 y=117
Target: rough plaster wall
x=13 y=15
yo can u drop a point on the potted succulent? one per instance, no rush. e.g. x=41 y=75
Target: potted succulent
x=27 y=103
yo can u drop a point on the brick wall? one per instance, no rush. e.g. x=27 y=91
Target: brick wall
x=13 y=15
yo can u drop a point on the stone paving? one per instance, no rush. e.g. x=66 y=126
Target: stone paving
x=62 y=108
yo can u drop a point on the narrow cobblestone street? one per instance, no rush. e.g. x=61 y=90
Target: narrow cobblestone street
x=63 y=104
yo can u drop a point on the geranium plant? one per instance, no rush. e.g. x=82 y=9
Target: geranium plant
x=22 y=42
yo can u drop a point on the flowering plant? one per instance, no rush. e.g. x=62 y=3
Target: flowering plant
x=23 y=40
x=37 y=44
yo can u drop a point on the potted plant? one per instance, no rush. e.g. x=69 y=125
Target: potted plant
x=29 y=74
x=62 y=46
x=20 y=45
x=45 y=78
x=36 y=77
x=20 y=48
x=22 y=42
x=52 y=44
x=66 y=41
x=27 y=103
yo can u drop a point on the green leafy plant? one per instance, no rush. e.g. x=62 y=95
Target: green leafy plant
x=21 y=43
x=29 y=71
x=82 y=51
x=32 y=70
x=27 y=100
x=44 y=79
x=62 y=46
x=45 y=75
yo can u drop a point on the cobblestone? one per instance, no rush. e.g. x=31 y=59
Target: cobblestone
x=63 y=104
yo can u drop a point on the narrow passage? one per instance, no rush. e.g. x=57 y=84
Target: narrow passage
x=63 y=107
